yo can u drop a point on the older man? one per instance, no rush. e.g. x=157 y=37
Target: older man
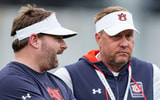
x=111 y=73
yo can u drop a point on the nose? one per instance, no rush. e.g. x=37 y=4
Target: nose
x=124 y=42
x=63 y=45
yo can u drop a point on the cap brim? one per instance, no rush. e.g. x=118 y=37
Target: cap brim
x=117 y=29
x=61 y=31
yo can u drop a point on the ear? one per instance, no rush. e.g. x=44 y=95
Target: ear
x=34 y=40
x=98 y=38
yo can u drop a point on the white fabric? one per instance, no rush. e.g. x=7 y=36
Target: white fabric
x=156 y=82
x=115 y=74
x=50 y=25
x=112 y=24
x=63 y=74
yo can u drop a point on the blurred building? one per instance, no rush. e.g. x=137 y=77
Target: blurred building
x=58 y=3
x=152 y=5
x=78 y=15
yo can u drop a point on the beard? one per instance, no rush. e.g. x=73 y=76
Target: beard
x=122 y=59
x=116 y=60
x=49 y=56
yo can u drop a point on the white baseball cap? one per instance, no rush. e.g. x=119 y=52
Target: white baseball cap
x=115 y=23
x=50 y=26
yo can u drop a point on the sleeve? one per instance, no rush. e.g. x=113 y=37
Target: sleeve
x=156 y=82
x=71 y=95
x=63 y=74
x=66 y=91
x=17 y=88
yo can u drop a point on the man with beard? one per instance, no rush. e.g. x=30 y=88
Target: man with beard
x=111 y=73
x=38 y=38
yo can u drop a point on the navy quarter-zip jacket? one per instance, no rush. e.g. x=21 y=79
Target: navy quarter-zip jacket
x=82 y=78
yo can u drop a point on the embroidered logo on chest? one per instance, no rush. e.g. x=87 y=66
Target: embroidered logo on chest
x=94 y=91
x=136 y=89
x=24 y=97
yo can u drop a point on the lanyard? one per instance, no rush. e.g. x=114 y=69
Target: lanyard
x=108 y=88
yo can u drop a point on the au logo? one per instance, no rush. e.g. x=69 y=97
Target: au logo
x=122 y=17
x=136 y=91
x=55 y=94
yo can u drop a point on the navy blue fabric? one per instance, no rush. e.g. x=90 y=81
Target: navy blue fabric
x=17 y=80
x=85 y=80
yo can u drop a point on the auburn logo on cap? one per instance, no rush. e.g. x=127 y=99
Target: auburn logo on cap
x=122 y=17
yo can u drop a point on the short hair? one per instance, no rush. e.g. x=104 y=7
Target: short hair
x=28 y=15
x=108 y=10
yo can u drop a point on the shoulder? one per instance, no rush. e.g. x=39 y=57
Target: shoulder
x=63 y=74
x=82 y=64
x=63 y=86
x=141 y=67
x=10 y=74
x=141 y=64
x=14 y=82
x=139 y=61
x=14 y=85
x=59 y=80
x=13 y=76
x=145 y=66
